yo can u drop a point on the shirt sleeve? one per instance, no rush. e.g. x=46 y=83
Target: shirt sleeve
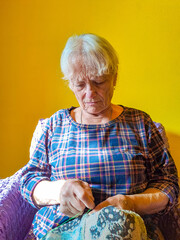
x=38 y=168
x=161 y=169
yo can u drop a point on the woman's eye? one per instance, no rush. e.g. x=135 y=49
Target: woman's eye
x=99 y=83
x=79 y=85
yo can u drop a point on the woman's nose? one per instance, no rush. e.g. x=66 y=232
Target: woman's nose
x=90 y=90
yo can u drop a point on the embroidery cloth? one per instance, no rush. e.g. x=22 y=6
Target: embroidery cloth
x=107 y=224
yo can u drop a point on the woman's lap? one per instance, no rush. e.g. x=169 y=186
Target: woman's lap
x=109 y=223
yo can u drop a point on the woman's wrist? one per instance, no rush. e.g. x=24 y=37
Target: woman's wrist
x=125 y=202
x=48 y=192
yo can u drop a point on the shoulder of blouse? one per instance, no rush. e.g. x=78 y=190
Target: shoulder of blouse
x=46 y=125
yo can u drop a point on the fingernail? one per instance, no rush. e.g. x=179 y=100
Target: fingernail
x=91 y=212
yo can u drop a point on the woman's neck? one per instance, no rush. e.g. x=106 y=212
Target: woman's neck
x=81 y=116
x=101 y=118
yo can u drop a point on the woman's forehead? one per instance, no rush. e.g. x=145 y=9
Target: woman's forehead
x=90 y=77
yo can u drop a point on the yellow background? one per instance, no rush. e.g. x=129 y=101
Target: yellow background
x=145 y=33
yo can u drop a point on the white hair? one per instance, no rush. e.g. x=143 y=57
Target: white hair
x=88 y=55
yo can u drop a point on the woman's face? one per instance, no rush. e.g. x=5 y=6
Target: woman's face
x=94 y=95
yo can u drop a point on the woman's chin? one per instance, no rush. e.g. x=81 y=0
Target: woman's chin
x=92 y=109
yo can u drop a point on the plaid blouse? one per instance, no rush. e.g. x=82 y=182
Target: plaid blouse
x=124 y=156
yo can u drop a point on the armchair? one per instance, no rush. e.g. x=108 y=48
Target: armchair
x=16 y=214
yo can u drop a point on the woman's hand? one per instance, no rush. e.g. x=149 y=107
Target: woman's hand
x=75 y=196
x=72 y=195
x=120 y=201
x=148 y=202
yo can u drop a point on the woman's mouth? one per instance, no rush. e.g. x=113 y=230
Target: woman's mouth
x=92 y=103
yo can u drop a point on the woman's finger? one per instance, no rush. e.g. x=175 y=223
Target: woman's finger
x=100 y=206
x=77 y=203
x=86 y=199
x=66 y=211
x=84 y=194
x=69 y=210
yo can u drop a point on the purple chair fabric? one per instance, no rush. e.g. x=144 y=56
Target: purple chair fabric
x=16 y=214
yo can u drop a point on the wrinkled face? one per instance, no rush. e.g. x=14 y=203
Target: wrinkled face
x=94 y=95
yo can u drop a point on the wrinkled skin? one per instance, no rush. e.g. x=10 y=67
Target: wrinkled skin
x=75 y=196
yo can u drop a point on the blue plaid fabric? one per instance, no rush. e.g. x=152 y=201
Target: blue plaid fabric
x=124 y=156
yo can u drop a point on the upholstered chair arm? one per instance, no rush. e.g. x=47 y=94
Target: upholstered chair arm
x=16 y=214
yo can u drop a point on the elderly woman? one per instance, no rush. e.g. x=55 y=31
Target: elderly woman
x=99 y=156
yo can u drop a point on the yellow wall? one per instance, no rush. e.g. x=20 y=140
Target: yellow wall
x=145 y=33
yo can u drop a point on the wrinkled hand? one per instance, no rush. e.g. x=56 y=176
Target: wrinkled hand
x=75 y=196
x=119 y=201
